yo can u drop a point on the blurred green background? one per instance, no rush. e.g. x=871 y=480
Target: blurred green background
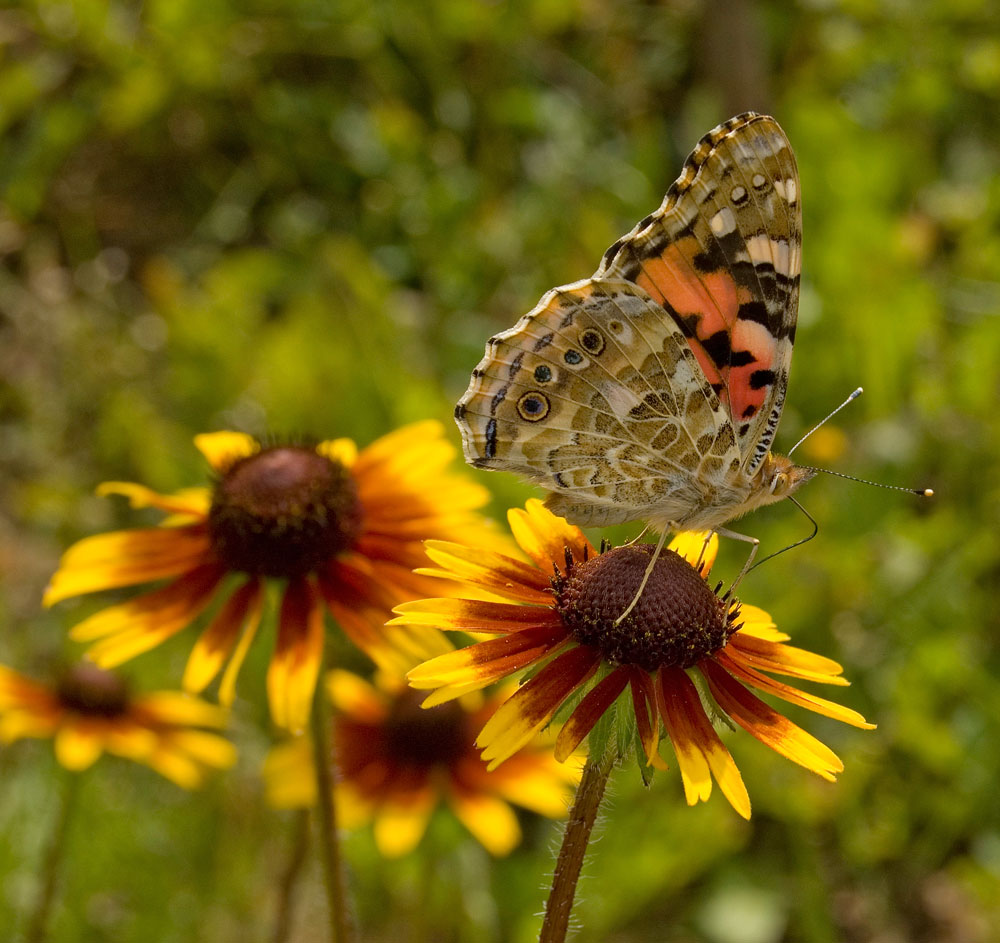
x=309 y=216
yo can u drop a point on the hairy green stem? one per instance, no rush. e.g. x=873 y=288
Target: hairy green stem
x=290 y=878
x=324 y=763
x=51 y=868
x=573 y=852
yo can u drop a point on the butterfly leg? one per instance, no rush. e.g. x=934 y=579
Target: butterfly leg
x=645 y=576
x=637 y=538
x=754 y=542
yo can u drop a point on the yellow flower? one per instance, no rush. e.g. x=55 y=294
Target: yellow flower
x=396 y=763
x=341 y=528
x=88 y=711
x=680 y=649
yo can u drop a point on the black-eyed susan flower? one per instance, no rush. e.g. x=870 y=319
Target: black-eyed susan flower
x=683 y=653
x=342 y=529
x=87 y=711
x=397 y=763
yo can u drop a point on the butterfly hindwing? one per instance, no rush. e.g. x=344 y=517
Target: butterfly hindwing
x=598 y=397
x=722 y=255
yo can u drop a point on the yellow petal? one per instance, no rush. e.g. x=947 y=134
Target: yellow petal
x=794 y=696
x=343 y=451
x=399 y=828
x=190 y=502
x=698 y=547
x=206 y=748
x=491 y=660
x=294 y=668
x=354 y=697
x=767 y=725
x=490 y=820
x=494 y=571
x=15 y=724
x=227 y=686
x=689 y=722
x=216 y=642
x=522 y=716
x=78 y=743
x=182 y=710
x=133 y=627
x=537 y=782
x=545 y=537
x=176 y=766
x=471 y=615
x=221 y=449
x=126 y=558
x=451 y=692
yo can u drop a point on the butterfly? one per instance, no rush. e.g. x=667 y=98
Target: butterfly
x=652 y=390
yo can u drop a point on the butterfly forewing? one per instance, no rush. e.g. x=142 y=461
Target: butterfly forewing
x=653 y=389
x=723 y=255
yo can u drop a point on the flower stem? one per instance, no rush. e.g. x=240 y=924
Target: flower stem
x=576 y=838
x=290 y=877
x=341 y=930
x=52 y=865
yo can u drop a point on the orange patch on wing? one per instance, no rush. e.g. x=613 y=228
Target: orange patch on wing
x=756 y=338
x=713 y=299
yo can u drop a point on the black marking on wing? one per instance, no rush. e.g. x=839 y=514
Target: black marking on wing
x=491 y=439
x=761 y=378
x=718 y=348
x=515 y=365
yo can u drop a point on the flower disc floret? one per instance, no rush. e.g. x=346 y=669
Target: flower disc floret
x=677 y=621
x=283 y=511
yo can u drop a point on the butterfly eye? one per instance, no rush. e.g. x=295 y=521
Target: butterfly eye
x=779 y=483
x=592 y=340
x=532 y=407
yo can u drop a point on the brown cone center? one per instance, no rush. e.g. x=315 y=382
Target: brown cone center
x=90 y=690
x=677 y=620
x=284 y=511
x=437 y=736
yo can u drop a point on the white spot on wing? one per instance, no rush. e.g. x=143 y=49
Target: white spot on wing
x=761 y=248
x=787 y=189
x=723 y=222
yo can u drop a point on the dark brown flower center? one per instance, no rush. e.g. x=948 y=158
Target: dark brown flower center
x=87 y=689
x=677 y=620
x=284 y=511
x=437 y=736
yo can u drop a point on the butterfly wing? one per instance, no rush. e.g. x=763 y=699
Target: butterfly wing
x=598 y=397
x=653 y=390
x=722 y=255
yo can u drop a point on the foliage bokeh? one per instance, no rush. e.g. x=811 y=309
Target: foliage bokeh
x=308 y=217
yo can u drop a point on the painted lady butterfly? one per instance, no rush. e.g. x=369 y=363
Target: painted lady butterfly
x=652 y=391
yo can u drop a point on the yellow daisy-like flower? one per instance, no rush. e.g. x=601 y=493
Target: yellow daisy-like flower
x=88 y=711
x=342 y=528
x=681 y=648
x=397 y=762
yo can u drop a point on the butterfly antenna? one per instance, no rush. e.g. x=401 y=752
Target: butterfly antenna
x=850 y=399
x=798 y=543
x=645 y=577
x=921 y=492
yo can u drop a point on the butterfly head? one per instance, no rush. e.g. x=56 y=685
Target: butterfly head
x=781 y=476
